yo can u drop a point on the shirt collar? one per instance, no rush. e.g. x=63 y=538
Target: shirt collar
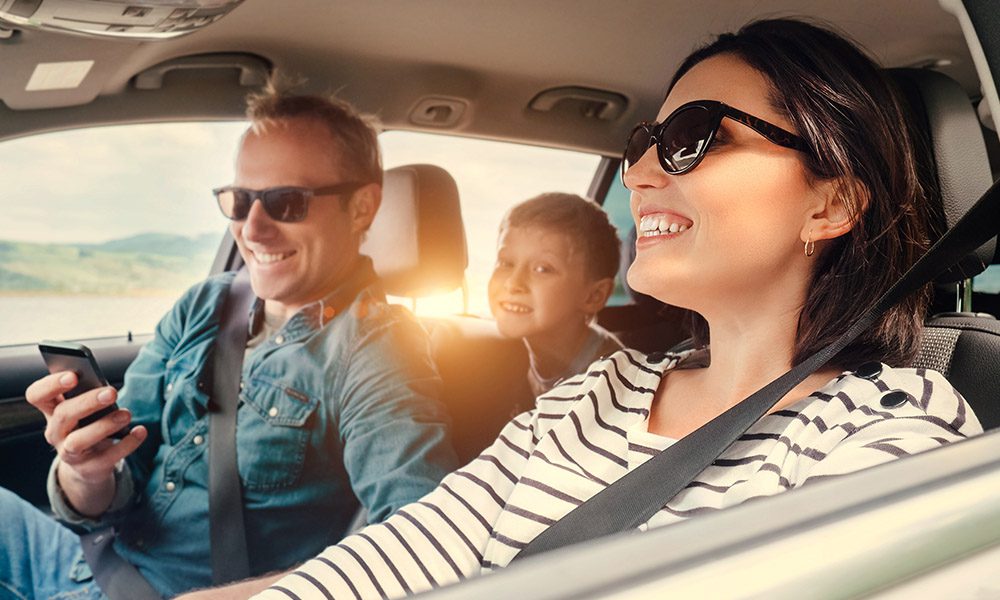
x=313 y=317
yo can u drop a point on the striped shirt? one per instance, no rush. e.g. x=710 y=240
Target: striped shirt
x=591 y=430
x=599 y=343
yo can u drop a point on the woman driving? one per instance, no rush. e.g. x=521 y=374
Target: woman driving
x=776 y=196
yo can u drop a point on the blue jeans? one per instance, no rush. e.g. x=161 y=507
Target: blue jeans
x=39 y=558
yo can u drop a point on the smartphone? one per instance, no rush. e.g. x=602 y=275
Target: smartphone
x=69 y=356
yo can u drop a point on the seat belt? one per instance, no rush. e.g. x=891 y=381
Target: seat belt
x=230 y=559
x=119 y=579
x=637 y=496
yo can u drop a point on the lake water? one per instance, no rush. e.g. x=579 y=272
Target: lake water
x=28 y=319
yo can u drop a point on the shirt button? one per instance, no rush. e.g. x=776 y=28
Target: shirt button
x=894 y=399
x=273 y=412
x=198 y=440
x=170 y=387
x=869 y=371
x=279 y=339
x=242 y=384
x=171 y=486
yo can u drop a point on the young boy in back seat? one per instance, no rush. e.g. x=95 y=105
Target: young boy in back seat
x=557 y=256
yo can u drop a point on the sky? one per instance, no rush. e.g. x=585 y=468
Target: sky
x=98 y=184
x=104 y=183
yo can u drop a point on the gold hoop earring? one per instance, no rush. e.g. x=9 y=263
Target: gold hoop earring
x=810 y=245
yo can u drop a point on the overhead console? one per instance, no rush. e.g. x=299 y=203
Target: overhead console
x=133 y=19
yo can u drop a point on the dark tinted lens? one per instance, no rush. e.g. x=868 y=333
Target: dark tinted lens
x=285 y=204
x=234 y=203
x=636 y=146
x=686 y=137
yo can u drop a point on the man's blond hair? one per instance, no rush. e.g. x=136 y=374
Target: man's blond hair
x=355 y=135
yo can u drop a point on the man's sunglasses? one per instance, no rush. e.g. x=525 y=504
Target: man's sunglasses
x=683 y=138
x=286 y=204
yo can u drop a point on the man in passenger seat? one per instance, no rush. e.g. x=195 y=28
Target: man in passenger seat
x=557 y=256
x=340 y=402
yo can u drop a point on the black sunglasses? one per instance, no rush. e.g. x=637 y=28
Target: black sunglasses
x=683 y=138
x=286 y=204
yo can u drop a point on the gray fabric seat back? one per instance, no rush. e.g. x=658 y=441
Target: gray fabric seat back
x=965 y=347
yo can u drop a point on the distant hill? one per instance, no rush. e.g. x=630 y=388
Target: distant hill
x=161 y=244
x=143 y=263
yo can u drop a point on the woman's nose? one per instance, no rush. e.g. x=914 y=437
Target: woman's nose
x=646 y=172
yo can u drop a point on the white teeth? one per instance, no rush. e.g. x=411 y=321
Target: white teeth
x=648 y=223
x=652 y=225
x=515 y=308
x=267 y=258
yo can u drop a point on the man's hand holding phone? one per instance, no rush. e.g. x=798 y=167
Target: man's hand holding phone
x=87 y=452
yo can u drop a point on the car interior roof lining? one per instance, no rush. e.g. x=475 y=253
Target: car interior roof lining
x=377 y=56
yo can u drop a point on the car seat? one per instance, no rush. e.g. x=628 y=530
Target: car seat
x=964 y=345
x=418 y=246
x=417 y=240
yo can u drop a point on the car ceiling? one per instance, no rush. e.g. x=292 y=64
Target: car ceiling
x=386 y=56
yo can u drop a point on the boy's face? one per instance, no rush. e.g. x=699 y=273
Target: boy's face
x=539 y=288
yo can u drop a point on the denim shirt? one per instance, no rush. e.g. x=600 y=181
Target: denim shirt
x=329 y=414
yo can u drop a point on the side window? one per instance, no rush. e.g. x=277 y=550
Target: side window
x=491 y=177
x=988 y=282
x=986 y=288
x=103 y=228
x=616 y=203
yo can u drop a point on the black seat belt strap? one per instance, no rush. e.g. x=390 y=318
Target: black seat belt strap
x=641 y=493
x=227 y=534
x=227 y=530
x=117 y=578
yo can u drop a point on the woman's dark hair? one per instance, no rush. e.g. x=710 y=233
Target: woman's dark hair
x=857 y=130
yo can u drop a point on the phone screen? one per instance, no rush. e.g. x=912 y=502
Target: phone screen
x=67 y=356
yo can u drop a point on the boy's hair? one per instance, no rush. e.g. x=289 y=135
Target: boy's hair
x=582 y=220
x=354 y=135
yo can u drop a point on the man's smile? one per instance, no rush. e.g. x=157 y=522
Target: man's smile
x=268 y=258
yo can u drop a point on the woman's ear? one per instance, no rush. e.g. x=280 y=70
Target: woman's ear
x=838 y=205
x=363 y=206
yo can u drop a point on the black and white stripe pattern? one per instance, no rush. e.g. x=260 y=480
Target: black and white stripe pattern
x=591 y=430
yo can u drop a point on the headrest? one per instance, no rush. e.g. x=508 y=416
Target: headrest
x=945 y=115
x=417 y=240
